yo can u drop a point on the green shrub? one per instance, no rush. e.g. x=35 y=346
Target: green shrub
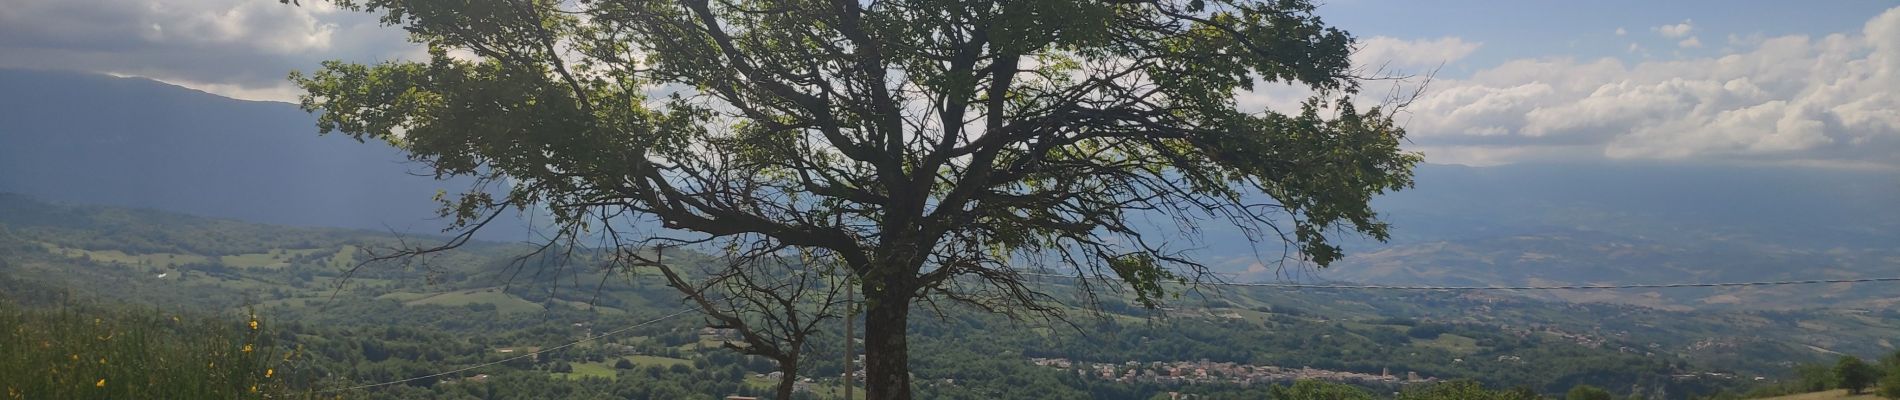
x=1464 y=390
x=1587 y=392
x=1890 y=384
x=1318 y=390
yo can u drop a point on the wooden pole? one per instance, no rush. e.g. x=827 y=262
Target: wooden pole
x=848 y=359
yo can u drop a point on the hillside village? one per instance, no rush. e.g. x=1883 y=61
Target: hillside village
x=1206 y=372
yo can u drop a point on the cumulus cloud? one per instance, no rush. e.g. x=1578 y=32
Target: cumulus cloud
x=239 y=48
x=1791 y=99
x=1675 y=30
x=1806 y=100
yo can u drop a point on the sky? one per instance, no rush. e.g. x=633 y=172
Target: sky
x=1811 y=84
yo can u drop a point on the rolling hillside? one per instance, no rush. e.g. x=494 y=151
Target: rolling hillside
x=1643 y=224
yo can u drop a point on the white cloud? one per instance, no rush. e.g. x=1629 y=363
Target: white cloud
x=1788 y=100
x=1799 y=100
x=284 y=92
x=233 y=47
x=1675 y=30
x=1486 y=156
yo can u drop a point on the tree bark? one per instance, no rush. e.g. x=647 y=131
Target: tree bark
x=787 y=381
x=886 y=352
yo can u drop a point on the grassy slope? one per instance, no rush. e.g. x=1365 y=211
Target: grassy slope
x=503 y=302
x=1449 y=342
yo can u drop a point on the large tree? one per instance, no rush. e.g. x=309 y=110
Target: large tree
x=931 y=148
x=1854 y=375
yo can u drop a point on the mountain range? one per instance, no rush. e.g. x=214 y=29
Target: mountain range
x=132 y=142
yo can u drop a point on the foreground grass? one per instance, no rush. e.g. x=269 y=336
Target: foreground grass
x=89 y=352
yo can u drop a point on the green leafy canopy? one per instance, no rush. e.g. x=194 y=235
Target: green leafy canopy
x=963 y=130
x=913 y=142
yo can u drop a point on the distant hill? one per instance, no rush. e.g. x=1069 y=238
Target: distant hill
x=1794 y=206
x=140 y=143
x=1643 y=224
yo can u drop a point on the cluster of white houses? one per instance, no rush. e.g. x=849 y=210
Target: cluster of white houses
x=1190 y=372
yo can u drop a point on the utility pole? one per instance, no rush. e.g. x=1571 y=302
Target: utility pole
x=848 y=357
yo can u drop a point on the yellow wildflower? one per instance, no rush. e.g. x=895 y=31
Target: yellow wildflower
x=247 y=347
x=102 y=383
x=269 y=371
x=253 y=388
x=253 y=323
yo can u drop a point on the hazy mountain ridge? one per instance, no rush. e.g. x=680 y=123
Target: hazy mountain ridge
x=139 y=143
x=1584 y=257
x=95 y=139
x=1643 y=224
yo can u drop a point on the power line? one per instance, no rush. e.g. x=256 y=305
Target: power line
x=525 y=355
x=1286 y=285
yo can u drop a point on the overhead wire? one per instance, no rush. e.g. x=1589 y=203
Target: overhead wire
x=1295 y=285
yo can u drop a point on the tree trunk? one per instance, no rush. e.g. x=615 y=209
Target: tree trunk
x=789 y=369
x=886 y=353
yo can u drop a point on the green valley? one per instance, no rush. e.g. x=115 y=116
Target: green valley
x=395 y=320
